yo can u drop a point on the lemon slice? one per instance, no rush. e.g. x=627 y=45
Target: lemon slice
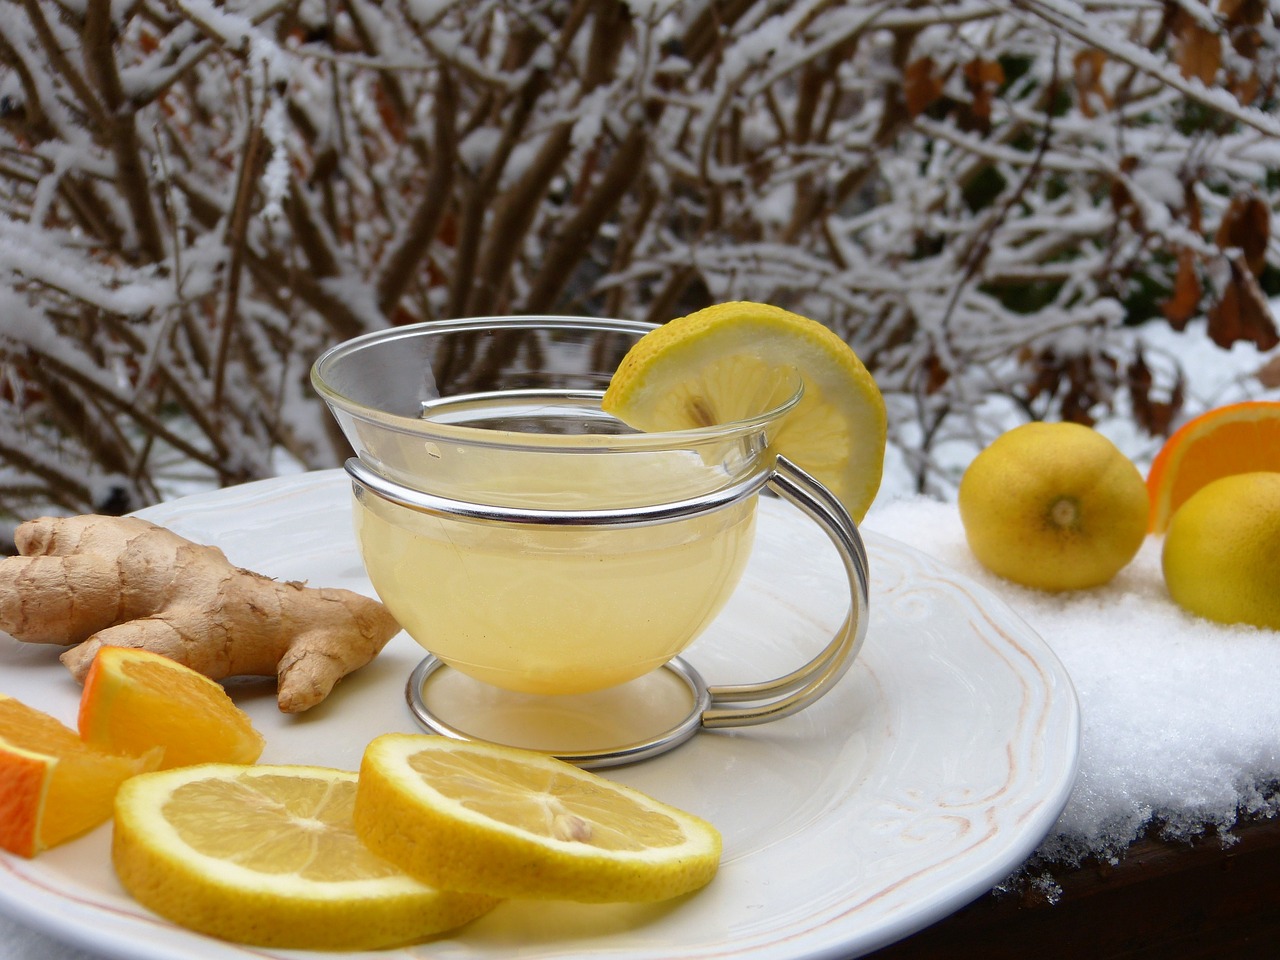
x=515 y=823
x=266 y=855
x=720 y=364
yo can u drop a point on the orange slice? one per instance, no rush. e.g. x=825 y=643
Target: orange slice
x=136 y=700
x=52 y=786
x=1239 y=438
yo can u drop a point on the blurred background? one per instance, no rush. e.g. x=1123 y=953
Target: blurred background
x=1011 y=209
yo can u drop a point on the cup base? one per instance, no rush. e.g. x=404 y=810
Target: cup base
x=633 y=721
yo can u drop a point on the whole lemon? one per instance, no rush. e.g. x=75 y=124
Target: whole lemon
x=1222 y=551
x=1056 y=506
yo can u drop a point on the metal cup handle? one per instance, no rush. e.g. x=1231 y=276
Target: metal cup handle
x=752 y=703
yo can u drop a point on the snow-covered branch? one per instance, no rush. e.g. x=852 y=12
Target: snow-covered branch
x=981 y=196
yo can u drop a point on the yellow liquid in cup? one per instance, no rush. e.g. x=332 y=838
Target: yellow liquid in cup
x=556 y=610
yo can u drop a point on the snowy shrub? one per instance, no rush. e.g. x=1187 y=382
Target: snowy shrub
x=982 y=196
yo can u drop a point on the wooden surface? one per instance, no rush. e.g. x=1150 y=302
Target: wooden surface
x=1165 y=900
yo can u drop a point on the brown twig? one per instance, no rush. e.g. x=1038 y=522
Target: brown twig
x=246 y=177
x=120 y=133
x=401 y=263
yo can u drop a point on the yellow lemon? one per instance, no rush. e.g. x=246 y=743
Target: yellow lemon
x=1221 y=553
x=1056 y=506
x=266 y=855
x=722 y=363
x=515 y=823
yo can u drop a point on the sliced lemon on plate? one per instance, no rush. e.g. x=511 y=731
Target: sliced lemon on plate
x=721 y=364
x=515 y=823
x=266 y=855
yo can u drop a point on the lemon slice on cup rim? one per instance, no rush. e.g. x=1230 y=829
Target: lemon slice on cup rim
x=720 y=364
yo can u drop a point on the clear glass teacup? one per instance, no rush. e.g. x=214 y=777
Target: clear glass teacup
x=534 y=543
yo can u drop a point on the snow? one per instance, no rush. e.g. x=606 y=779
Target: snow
x=276 y=177
x=1179 y=719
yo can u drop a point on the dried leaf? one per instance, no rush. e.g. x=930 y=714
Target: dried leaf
x=1199 y=51
x=983 y=77
x=1269 y=373
x=1140 y=379
x=402 y=316
x=1088 y=74
x=921 y=86
x=1246 y=226
x=1187 y=291
x=1194 y=212
x=1248 y=89
x=388 y=114
x=1122 y=198
x=1048 y=374
x=1247 y=42
x=1243 y=314
x=984 y=73
x=936 y=374
x=1242 y=12
x=1154 y=416
x=1076 y=408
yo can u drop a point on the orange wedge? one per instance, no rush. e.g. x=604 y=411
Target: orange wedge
x=52 y=785
x=1239 y=438
x=136 y=700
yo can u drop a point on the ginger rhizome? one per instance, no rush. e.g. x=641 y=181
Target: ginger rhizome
x=96 y=581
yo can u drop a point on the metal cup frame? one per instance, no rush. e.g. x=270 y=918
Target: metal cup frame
x=713 y=706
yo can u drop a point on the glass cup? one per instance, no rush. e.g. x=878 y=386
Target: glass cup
x=531 y=541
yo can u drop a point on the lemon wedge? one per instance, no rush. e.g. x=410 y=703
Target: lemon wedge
x=266 y=855
x=516 y=823
x=720 y=364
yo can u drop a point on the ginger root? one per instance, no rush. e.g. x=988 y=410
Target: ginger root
x=98 y=581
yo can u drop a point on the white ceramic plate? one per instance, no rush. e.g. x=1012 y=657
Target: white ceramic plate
x=935 y=767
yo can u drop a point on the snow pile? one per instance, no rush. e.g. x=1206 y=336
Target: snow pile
x=1180 y=724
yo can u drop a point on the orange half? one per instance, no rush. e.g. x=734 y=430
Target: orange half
x=1238 y=438
x=52 y=786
